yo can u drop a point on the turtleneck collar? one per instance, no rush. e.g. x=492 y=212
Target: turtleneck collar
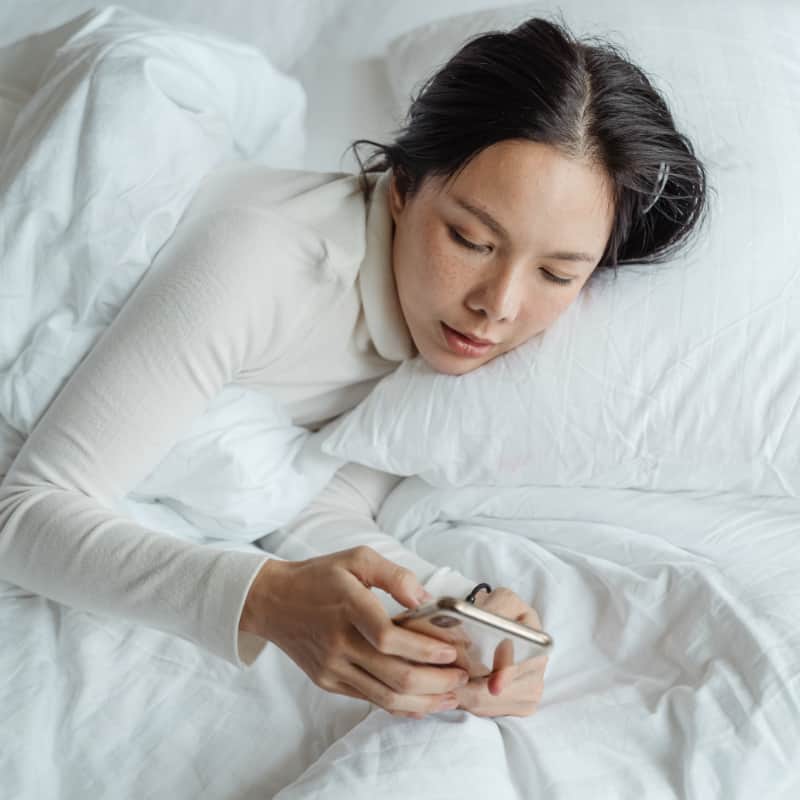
x=382 y=311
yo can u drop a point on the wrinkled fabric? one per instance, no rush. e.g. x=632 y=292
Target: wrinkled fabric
x=128 y=115
x=674 y=671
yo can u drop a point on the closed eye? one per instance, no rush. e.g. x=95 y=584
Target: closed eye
x=457 y=237
x=555 y=279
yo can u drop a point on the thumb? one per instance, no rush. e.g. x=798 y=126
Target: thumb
x=503 y=659
x=503 y=655
x=372 y=569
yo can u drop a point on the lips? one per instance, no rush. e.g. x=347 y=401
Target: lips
x=462 y=346
x=475 y=339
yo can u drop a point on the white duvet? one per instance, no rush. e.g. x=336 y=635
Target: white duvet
x=676 y=671
x=674 y=674
x=121 y=117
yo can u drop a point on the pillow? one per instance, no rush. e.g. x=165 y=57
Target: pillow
x=675 y=377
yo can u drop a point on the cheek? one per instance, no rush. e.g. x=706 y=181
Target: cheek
x=447 y=272
x=438 y=269
x=546 y=307
x=561 y=301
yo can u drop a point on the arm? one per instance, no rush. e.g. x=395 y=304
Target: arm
x=343 y=515
x=204 y=310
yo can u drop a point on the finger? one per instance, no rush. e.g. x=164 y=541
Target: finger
x=530 y=618
x=405 y=676
x=409 y=714
x=528 y=669
x=505 y=602
x=372 y=569
x=387 y=698
x=510 y=605
x=476 y=696
x=343 y=688
x=503 y=655
x=521 y=701
x=499 y=680
x=370 y=619
x=531 y=669
x=525 y=682
x=503 y=668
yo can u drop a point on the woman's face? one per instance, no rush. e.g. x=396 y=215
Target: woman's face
x=478 y=253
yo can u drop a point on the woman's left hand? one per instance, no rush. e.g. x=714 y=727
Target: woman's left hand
x=510 y=689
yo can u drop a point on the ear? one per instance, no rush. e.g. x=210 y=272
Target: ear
x=396 y=198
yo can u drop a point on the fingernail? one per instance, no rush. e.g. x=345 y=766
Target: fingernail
x=464 y=679
x=424 y=596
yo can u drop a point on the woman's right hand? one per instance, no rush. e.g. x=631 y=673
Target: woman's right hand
x=322 y=614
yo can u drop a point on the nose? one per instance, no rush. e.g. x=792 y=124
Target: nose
x=499 y=295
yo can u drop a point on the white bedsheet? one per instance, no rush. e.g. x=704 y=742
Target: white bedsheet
x=674 y=675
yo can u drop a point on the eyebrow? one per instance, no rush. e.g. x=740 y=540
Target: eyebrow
x=487 y=219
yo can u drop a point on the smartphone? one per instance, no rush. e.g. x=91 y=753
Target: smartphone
x=475 y=633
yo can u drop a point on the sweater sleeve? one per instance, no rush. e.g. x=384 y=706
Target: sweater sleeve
x=343 y=515
x=210 y=304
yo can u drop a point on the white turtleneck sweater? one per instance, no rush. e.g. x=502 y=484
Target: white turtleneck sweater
x=279 y=279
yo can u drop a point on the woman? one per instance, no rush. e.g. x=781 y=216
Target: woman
x=529 y=162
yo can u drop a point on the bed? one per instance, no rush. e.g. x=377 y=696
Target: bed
x=668 y=576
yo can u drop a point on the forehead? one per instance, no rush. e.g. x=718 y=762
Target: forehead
x=540 y=196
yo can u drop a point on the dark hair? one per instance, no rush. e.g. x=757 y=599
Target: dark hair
x=538 y=82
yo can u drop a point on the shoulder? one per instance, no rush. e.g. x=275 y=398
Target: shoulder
x=319 y=216
x=250 y=272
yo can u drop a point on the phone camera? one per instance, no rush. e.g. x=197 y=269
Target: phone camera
x=443 y=621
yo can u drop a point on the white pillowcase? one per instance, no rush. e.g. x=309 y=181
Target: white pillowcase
x=682 y=376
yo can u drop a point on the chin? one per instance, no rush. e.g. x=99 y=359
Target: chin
x=442 y=360
x=454 y=365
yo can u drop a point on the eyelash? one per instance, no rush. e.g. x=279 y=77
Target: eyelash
x=457 y=237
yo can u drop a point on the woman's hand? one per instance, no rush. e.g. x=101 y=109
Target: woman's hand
x=510 y=689
x=322 y=614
